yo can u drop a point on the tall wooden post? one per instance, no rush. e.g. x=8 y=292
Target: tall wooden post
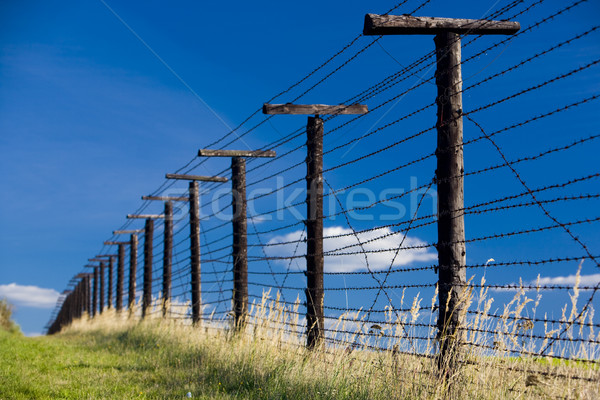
x=68 y=309
x=450 y=166
x=111 y=264
x=195 y=237
x=133 y=250
x=120 y=277
x=239 y=224
x=148 y=238
x=314 y=231
x=240 y=241
x=95 y=293
x=89 y=292
x=147 y=296
x=80 y=298
x=195 y=250
x=450 y=186
x=314 y=208
x=102 y=258
x=167 y=258
x=75 y=305
x=86 y=286
x=167 y=247
x=101 y=289
x=133 y=246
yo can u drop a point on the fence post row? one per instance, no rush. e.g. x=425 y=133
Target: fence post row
x=167 y=247
x=80 y=306
x=121 y=265
x=101 y=288
x=314 y=205
x=239 y=225
x=88 y=301
x=75 y=303
x=450 y=166
x=109 y=292
x=95 y=293
x=110 y=275
x=167 y=255
x=195 y=236
x=450 y=188
x=148 y=238
x=120 y=277
x=98 y=284
x=133 y=250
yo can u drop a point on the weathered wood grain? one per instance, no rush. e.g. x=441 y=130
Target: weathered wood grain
x=410 y=25
x=236 y=153
x=314 y=109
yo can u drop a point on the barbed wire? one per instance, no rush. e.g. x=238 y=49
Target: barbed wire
x=553 y=199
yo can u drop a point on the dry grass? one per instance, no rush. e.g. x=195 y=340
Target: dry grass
x=268 y=359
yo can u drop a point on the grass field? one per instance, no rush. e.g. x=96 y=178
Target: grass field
x=115 y=357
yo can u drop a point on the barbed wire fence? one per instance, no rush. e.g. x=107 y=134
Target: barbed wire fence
x=530 y=193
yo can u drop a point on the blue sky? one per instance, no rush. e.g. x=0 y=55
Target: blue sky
x=99 y=100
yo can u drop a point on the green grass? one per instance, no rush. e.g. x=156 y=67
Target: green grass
x=89 y=366
x=138 y=362
x=116 y=357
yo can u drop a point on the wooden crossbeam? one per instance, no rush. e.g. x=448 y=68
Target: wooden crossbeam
x=314 y=109
x=106 y=255
x=90 y=266
x=196 y=178
x=236 y=153
x=113 y=243
x=145 y=216
x=165 y=198
x=126 y=231
x=96 y=259
x=82 y=275
x=410 y=25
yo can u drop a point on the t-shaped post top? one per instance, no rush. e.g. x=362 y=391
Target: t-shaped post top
x=409 y=25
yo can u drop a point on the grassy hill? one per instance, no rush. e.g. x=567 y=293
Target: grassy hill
x=113 y=357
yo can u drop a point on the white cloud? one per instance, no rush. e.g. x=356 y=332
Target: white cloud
x=354 y=262
x=29 y=296
x=569 y=280
x=585 y=280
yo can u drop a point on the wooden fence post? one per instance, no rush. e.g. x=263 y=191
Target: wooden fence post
x=101 y=289
x=111 y=264
x=148 y=239
x=95 y=293
x=195 y=251
x=314 y=231
x=239 y=225
x=133 y=244
x=450 y=187
x=450 y=164
x=167 y=247
x=74 y=305
x=314 y=204
x=80 y=298
x=240 y=241
x=147 y=296
x=195 y=237
x=167 y=258
x=88 y=294
x=133 y=250
x=120 y=277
